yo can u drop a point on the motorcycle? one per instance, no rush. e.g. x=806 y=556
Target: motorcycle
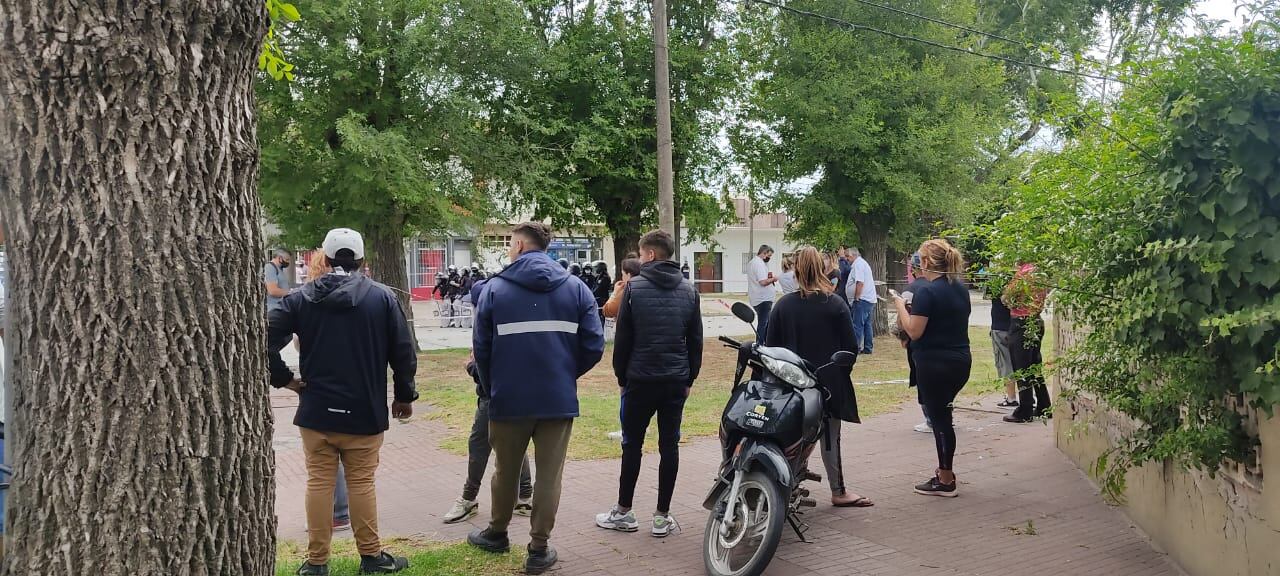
x=769 y=428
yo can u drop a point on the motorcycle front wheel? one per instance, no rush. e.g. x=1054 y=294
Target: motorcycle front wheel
x=751 y=539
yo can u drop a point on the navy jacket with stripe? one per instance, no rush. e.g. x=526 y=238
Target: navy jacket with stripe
x=537 y=330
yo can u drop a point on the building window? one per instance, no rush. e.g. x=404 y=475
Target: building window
x=497 y=242
x=746 y=261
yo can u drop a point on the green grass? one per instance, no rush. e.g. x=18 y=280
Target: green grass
x=450 y=393
x=425 y=559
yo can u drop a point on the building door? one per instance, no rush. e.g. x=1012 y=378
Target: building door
x=461 y=254
x=710 y=272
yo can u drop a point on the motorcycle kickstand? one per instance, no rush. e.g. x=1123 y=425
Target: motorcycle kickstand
x=798 y=526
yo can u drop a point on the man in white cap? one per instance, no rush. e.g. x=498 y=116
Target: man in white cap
x=350 y=329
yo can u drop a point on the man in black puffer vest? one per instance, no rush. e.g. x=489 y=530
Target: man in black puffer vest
x=657 y=355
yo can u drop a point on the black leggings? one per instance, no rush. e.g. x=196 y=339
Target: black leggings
x=1024 y=352
x=640 y=401
x=940 y=375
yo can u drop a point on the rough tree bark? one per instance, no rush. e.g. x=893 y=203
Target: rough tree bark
x=625 y=242
x=141 y=429
x=873 y=239
x=386 y=263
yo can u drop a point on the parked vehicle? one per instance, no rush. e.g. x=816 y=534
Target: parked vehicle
x=769 y=428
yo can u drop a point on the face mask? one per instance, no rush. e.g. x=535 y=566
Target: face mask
x=767 y=259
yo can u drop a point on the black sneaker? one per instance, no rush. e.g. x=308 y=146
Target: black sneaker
x=540 y=561
x=309 y=569
x=1016 y=418
x=935 y=487
x=383 y=563
x=489 y=541
x=1007 y=403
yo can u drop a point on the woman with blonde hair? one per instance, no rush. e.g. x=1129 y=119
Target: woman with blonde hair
x=788 y=280
x=937 y=322
x=814 y=323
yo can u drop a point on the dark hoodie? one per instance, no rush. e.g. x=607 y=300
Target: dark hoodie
x=350 y=329
x=537 y=331
x=659 y=332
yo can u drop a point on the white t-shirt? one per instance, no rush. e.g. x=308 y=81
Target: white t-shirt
x=787 y=282
x=757 y=270
x=862 y=273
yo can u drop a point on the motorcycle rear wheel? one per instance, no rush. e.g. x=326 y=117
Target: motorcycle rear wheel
x=752 y=539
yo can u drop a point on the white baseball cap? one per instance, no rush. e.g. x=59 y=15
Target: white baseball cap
x=343 y=238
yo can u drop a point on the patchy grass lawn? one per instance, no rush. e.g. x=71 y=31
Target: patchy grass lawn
x=425 y=558
x=448 y=390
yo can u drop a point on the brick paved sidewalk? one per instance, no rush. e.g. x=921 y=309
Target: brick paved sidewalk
x=1012 y=478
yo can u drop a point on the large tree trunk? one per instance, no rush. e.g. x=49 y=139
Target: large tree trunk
x=387 y=266
x=141 y=430
x=873 y=238
x=624 y=242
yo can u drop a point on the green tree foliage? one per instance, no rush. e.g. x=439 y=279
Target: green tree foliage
x=1157 y=225
x=587 y=108
x=892 y=130
x=272 y=59
x=378 y=134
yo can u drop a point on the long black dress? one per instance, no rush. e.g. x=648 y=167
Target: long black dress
x=816 y=327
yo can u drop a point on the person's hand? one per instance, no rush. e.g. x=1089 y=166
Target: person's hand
x=296 y=385
x=401 y=410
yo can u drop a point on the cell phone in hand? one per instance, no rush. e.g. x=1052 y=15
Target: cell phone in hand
x=894 y=293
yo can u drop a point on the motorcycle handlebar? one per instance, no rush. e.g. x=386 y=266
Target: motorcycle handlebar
x=731 y=342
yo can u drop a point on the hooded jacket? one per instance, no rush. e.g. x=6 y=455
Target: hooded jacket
x=350 y=329
x=537 y=330
x=659 y=331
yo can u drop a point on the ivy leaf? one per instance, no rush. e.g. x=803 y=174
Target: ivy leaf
x=290 y=12
x=1207 y=209
x=1234 y=202
x=1237 y=116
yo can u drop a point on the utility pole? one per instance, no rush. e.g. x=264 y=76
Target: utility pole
x=662 y=84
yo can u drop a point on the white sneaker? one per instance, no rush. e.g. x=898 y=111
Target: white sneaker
x=462 y=509
x=663 y=524
x=613 y=520
x=924 y=427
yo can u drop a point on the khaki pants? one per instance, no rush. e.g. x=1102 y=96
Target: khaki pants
x=359 y=456
x=510 y=439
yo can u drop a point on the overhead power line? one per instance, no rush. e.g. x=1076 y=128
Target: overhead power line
x=939 y=21
x=909 y=38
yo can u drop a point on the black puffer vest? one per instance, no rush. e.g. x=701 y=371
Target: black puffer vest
x=663 y=304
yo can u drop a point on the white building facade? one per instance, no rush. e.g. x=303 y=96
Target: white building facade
x=718 y=266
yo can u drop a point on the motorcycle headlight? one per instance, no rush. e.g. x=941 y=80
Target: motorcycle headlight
x=788 y=372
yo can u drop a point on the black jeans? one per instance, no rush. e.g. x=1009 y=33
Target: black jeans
x=940 y=375
x=478 y=450
x=762 y=319
x=640 y=401
x=1025 y=336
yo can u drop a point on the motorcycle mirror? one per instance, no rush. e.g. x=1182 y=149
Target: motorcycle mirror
x=844 y=358
x=744 y=312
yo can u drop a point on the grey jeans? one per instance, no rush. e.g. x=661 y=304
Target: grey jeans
x=831 y=456
x=478 y=449
x=341 y=502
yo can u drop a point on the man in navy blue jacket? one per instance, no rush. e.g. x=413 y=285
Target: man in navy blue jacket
x=537 y=331
x=350 y=329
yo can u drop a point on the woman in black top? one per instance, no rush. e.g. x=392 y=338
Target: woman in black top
x=814 y=323
x=938 y=324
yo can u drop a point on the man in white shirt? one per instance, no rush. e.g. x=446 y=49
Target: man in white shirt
x=760 y=289
x=862 y=300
